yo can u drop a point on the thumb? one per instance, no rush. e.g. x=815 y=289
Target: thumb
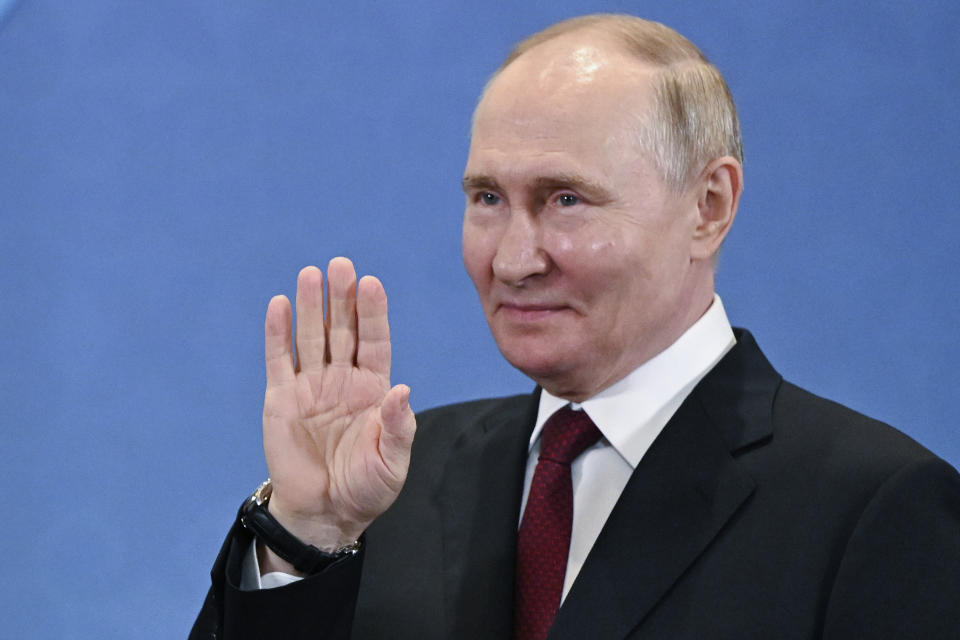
x=399 y=426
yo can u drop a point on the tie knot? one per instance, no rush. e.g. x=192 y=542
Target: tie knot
x=566 y=434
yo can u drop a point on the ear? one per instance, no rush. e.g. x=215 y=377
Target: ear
x=721 y=184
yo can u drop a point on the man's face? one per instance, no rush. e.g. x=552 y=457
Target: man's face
x=579 y=252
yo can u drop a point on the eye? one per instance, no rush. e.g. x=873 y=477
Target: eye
x=568 y=200
x=489 y=198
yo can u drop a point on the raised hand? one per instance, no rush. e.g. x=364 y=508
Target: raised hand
x=337 y=437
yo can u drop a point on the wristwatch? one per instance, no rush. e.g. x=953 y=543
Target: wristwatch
x=306 y=558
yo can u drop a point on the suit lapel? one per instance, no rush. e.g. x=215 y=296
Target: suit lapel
x=479 y=502
x=678 y=499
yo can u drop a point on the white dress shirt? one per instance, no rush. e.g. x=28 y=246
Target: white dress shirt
x=630 y=414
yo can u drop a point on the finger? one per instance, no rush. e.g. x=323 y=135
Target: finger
x=311 y=333
x=277 y=349
x=373 y=329
x=399 y=427
x=341 y=311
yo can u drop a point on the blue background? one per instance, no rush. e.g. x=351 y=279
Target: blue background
x=166 y=167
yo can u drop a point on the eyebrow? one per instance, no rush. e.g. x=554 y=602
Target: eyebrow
x=473 y=182
x=576 y=182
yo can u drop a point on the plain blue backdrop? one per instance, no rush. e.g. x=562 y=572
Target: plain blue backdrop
x=166 y=167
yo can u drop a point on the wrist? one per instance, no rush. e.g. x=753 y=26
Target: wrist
x=325 y=532
x=279 y=549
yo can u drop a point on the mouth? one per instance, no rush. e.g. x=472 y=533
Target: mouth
x=525 y=312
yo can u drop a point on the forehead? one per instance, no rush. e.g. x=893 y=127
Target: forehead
x=575 y=95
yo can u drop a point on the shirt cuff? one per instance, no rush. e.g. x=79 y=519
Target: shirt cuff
x=250 y=578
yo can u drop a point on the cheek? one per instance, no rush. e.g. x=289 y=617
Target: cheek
x=478 y=251
x=601 y=247
x=587 y=256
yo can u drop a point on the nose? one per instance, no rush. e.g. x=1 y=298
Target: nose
x=520 y=253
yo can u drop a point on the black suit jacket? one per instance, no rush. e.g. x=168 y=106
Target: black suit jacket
x=761 y=511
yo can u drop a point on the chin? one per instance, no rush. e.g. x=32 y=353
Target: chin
x=546 y=369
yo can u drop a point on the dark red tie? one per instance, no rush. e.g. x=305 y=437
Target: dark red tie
x=543 y=541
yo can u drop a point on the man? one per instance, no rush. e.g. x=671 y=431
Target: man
x=708 y=497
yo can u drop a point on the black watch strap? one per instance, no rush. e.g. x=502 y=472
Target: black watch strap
x=256 y=518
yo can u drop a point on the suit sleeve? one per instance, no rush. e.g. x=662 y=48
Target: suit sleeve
x=320 y=606
x=900 y=573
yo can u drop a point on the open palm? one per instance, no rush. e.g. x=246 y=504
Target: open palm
x=337 y=437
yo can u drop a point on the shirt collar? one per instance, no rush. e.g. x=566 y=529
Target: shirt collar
x=631 y=412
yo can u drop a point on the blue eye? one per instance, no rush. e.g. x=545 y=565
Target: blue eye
x=489 y=198
x=568 y=200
